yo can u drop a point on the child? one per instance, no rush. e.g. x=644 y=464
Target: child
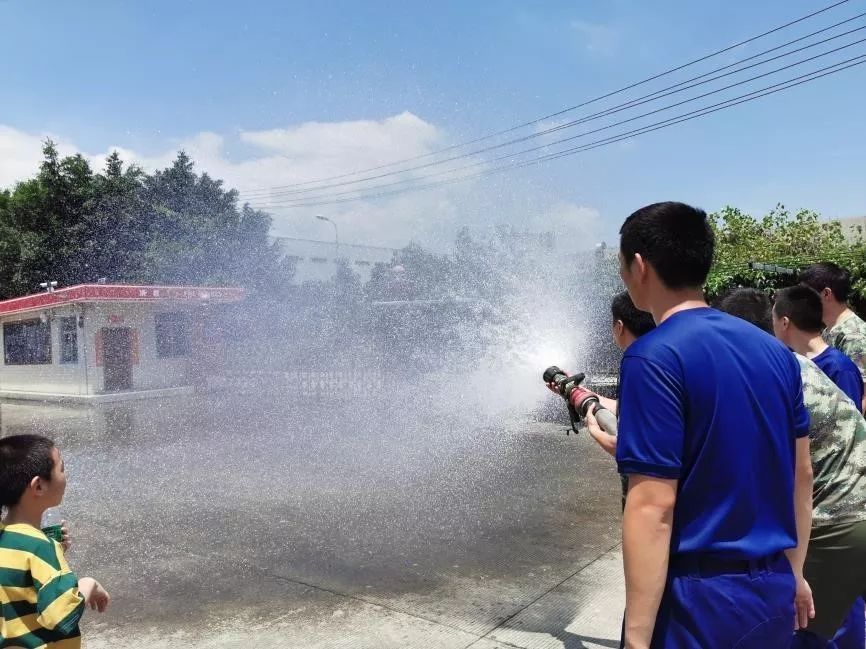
x=41 y=599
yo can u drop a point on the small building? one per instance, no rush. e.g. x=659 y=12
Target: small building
x=318 y=260
x=854 y=228
x=103 y=342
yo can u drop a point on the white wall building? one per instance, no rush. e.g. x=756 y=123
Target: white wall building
x=101 y=342
x=854 y=227
x=317 y=260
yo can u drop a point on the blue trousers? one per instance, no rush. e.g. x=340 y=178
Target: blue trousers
x=707 y=606
x=851 y=635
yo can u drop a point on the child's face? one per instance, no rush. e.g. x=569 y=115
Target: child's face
x=55 y=489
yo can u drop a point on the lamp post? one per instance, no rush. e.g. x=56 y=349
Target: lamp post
x=336 y=235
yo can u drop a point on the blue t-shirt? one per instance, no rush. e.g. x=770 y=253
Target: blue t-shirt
x=843 y=372
x=716 y=403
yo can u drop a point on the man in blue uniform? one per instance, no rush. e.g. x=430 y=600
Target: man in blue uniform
x=845 y=330
x=836 y=561
x=713 y=438
x=797 y=323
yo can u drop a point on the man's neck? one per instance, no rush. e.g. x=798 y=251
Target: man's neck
x=808 y=344
x=23 y=514
x=668 y=302
x=836 y=312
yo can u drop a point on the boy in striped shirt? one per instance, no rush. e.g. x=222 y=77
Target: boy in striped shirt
x=41 y=599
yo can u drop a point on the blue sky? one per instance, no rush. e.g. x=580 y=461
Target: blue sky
x=151 y=77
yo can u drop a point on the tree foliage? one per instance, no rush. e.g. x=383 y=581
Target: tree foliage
x=72 y=225
x=790 y=241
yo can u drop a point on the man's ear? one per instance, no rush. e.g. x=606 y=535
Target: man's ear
x=786 y=322
x=618 y=327
x=827 y=293
x=638 y=264
x=37 y=484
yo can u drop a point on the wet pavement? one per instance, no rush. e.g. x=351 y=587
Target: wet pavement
x=226 y=521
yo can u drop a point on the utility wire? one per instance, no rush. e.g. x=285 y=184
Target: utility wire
x=576 y=106
x=595 y=144
x=659 y=94
x=511 y=155
x=599 y=143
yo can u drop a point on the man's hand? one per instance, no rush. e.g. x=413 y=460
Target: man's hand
x=605 y=440
x=100 y=599
x=804 y=605
x=66 y=541
x=94 y=594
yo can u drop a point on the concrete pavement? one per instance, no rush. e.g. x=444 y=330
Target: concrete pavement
x=221 y=523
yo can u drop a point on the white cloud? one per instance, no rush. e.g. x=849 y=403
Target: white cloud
x=21 y=153
x=315 y=150
x=595 y=38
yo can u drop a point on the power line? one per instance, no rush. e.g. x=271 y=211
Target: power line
x=570 y=108
x=659 y=94
x=600 y=143
x=329 y=196
x=795 y=81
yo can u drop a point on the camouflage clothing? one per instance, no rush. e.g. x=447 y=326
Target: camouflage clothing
x=850 y=337
x=837 y=440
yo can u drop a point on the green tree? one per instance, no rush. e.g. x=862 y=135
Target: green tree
x=171 y=227
x=778 y=239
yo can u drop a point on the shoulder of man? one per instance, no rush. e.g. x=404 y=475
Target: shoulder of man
x=849 y=337
x=813 y=377
x=852 y=328
x=829 y=408
x=30 y=541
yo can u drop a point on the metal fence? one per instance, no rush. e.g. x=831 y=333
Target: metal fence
x=305 y=384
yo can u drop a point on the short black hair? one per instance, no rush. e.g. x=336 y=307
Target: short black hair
x=751 y=305
x=675 y=238
x=636 y=321
x=826 y=274
x=22 y=458
x=802 y=306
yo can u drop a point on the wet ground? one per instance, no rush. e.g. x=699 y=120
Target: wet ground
x=251 y=521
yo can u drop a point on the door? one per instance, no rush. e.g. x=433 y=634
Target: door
x=117 y=358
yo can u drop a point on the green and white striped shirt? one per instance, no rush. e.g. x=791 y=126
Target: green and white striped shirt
x=39 y=597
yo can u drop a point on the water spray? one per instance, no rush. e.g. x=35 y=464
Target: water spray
x=579 y=399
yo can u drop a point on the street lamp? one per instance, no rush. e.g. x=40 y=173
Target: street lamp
x=336 y=236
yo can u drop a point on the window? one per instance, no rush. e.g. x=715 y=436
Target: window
x=318 y=260
x=172 y=335
x=69 y=340
x=27 y=342
x=361 y=262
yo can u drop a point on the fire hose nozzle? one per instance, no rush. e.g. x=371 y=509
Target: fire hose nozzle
x=579 y=399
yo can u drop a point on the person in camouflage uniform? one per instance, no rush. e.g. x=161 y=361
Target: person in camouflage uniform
x=836 y=560
x=797 y=323
x=837 y=436
x=845 y=329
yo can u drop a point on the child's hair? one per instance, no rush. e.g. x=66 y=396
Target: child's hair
x=751 y=305
x=22 y=458
x=636 y=321
x=802 y=306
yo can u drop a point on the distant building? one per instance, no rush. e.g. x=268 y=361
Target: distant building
x=525 y=242
x=317 y=260
x=854 y=227
x=104 y=342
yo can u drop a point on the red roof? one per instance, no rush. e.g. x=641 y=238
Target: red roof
x=120 y=293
